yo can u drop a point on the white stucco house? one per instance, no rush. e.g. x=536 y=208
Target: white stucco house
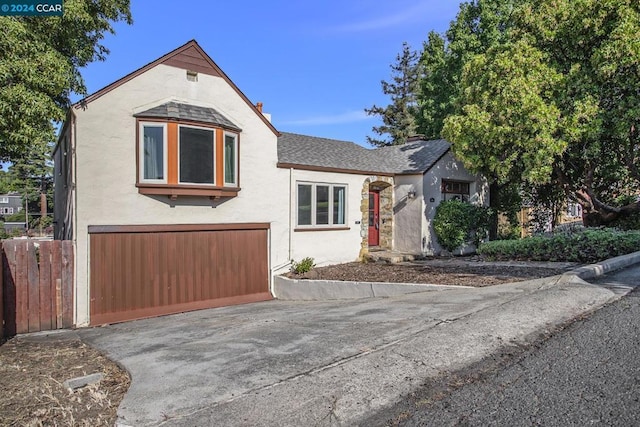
x=180 y=194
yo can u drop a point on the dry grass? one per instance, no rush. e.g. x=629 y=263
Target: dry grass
x=32 y=372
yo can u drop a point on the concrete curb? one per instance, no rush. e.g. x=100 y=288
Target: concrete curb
x=321 y=290
x=607 y=266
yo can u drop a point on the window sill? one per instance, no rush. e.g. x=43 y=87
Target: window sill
x=175 y=191
x=321 y=229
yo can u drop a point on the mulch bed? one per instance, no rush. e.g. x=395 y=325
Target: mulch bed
x=483 y=274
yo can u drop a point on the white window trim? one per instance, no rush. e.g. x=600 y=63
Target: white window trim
x=224 y=160
x=314 y=204
x=207 y=184
x=4 y=200
x=165 y=156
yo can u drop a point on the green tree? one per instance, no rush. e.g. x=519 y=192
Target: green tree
x=479 y=26
x=398 y=118
x=40 y=62
x=557 y=102
x=4 y=182
x=437 y=87
x=31 y=177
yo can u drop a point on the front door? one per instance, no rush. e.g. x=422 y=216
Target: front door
x=374 y=218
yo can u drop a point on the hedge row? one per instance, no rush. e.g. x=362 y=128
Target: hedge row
x=584 y=246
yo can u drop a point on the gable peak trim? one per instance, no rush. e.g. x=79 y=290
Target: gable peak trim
x=179 y=58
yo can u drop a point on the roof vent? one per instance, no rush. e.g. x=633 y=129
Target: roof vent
x=192 y=76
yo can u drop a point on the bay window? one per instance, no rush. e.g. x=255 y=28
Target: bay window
x=185 y=159
x=230 y=159
x=153 y=152
x=196 y=154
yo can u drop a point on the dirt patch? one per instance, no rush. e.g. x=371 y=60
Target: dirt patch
x=482 y=274
x=32 y=372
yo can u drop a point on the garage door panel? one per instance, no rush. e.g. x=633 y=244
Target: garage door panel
x=142 y=274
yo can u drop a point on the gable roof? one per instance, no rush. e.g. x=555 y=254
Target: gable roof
x=175 y=110
x=189 y=56
x=324 y=153
x=308 y=152
x=414 y=156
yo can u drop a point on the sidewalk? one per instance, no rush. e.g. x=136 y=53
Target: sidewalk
x=326 y=363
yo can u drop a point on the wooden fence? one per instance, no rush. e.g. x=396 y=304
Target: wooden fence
x=36 y=286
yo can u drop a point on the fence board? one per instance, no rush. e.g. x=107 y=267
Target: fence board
x=46 y=294
x=67 y=283
x=36 y=286
x=22 y=290
x=9 y=289
x=55 y=278
x=1 y=293
x=33 y=282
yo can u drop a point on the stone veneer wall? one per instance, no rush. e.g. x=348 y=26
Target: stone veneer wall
x=384 y=184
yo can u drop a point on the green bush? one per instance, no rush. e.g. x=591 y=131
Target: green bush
x=508 y=231
x=304 y=266
x=16 y=217
x=573 y=245
x=457 y=223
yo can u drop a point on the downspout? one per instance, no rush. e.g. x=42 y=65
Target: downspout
x=74 y=216
x=291 y=189
x=290 y=236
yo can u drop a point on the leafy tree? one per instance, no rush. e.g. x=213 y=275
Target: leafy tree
x=31 y=177
x=479 y=26
x=507 y=124
x=398 y=118
x=558 y=101
x=40 y=61
x=437 y=87
x=4 y=182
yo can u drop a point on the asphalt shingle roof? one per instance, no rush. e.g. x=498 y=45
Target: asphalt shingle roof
x=175 y=110
x=412 y=157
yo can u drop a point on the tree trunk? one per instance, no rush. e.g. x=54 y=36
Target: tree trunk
x=596 y=213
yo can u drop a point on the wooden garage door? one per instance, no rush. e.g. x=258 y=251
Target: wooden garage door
x=146 y=271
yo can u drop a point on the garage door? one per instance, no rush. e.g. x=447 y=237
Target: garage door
x=146 y=271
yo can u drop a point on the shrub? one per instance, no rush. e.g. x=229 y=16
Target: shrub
x=304 y=266
x=457 y=223
x=508 y=231
x=573 y=245
x=16 y=217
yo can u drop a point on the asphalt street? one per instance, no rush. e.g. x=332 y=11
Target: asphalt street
x=587 y=373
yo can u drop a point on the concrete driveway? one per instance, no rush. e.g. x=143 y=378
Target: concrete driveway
x=323 y=363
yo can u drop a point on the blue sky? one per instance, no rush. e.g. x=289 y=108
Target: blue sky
x=315 y=65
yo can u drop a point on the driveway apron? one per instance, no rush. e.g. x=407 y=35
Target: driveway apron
x=322 y=363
